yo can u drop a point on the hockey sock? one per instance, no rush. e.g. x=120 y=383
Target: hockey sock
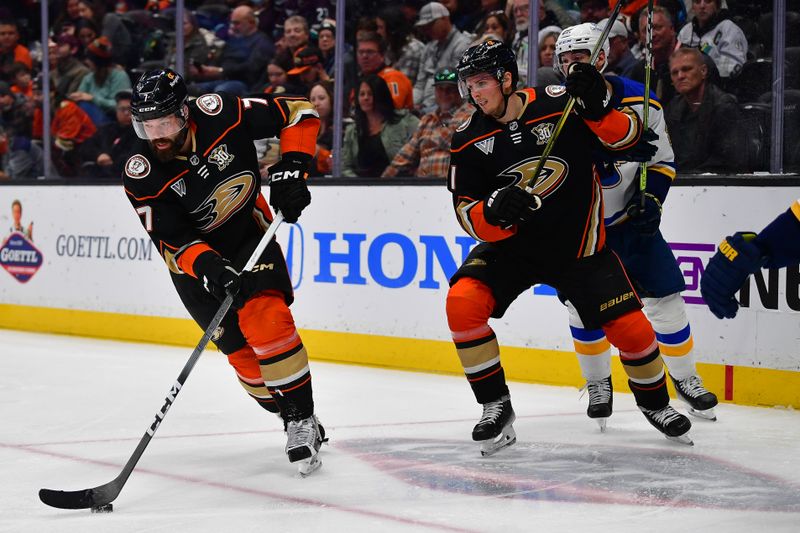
x=245 y=362
x=638 y=351
x=674 y=334
x=269 y=328
x=593 y=351
x=469 y=305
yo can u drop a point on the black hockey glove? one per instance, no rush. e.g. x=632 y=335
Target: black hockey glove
x=510 y=205
x=644 y=218
x=737 y=257
x=288 y=190
x=219 y=278
x=641 y=152
x=588 y=87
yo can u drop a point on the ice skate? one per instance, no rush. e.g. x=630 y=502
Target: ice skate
x=494 y=430
x=701 y=402
x=670 y=422
x=304 y=440
x=601 y=400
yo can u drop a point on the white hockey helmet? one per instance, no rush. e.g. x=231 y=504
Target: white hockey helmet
x=581 y=37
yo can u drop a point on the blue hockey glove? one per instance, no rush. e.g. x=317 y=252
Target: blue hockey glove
x=644 y=218
x=510 y=205
x=737 y=257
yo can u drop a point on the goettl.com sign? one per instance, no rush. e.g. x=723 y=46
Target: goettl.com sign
x=20 y=257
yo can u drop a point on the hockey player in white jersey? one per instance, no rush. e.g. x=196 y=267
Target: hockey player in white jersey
x=632 y=231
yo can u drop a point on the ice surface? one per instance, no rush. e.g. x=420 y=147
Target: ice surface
x=400 y=456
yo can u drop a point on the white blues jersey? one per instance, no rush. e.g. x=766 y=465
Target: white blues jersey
x=620 y=179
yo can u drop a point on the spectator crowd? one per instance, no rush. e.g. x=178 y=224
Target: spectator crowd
x=712 y=68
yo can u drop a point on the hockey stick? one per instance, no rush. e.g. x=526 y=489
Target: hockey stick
x=105 y=494
x=571 y=102
x=648 y=67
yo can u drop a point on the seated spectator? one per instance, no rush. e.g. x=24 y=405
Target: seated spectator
x=95 y=94
x=403 y=49
x=713 y=33
x=321 y=95
x=10 y=50
x=66 y=70
x=21 y=82
x=103 y=155
x=86 y=31
x=703 y=117
x=378 y=133
x=621 y=60
x=308 y=68
x=427 y=153
x=278 y=78
x=550 y=14
x=445 y=47
x=463 y=14
x=371 y=58
x=665 y=42
x=244 y=58
x=195 y=48
x=111 y=27
x=545 y=75
x=296 y=35
x=593 y=10
x=19 y=157
x=497 y=25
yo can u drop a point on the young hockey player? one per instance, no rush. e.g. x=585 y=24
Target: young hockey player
x=194 y=182
x=554 y=235
x=632 y=232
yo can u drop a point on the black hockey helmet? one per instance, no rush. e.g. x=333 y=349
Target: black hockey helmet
x=491 y=56
x=159 y=93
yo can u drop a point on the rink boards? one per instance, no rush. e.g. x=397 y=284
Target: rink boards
x=370 y=268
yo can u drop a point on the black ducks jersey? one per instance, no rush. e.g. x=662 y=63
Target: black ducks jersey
x=210 y=198
x=487 y=155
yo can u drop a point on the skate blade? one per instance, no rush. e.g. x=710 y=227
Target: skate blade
x=306 y=467
x=505 y=439
x=602 y=423
x=707 y=414
x=682 y=439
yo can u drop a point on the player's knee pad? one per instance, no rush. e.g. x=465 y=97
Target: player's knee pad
x=632 y=334
x=469 y=305
x=245 y=362
x=667 y=314
x=268 y=325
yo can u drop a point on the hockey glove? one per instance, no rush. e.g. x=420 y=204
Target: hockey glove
x=641 y=152
x=219 y=278
x=288 y=190
x=737 y=257
x=588 y=87
x=644 y=218
x=510 y=205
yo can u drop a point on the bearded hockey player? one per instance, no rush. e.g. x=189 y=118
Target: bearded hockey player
x=554 y=235
x=194 y=182
x=632 y=232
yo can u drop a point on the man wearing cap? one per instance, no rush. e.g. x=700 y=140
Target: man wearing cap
x=445 y=47
x=427 y=153
x=66 y=71
x=371 y=59
x=308 y=68
x=621 y=60
x=109 y=148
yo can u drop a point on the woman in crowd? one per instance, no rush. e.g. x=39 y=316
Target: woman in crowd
x=195 y=48
x=96 y=92
x=321 y=95
x=497 y=24
x=378 y=132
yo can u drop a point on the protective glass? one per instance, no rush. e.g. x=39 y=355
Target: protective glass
x=476 y=83
x=161 y=127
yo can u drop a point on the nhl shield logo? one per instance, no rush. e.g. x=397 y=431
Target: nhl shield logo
x=20 y=257
x=220 y=157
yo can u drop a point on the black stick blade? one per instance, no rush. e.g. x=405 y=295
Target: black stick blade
x=79 y=499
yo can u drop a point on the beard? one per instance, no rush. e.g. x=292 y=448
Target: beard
x=174 y=148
